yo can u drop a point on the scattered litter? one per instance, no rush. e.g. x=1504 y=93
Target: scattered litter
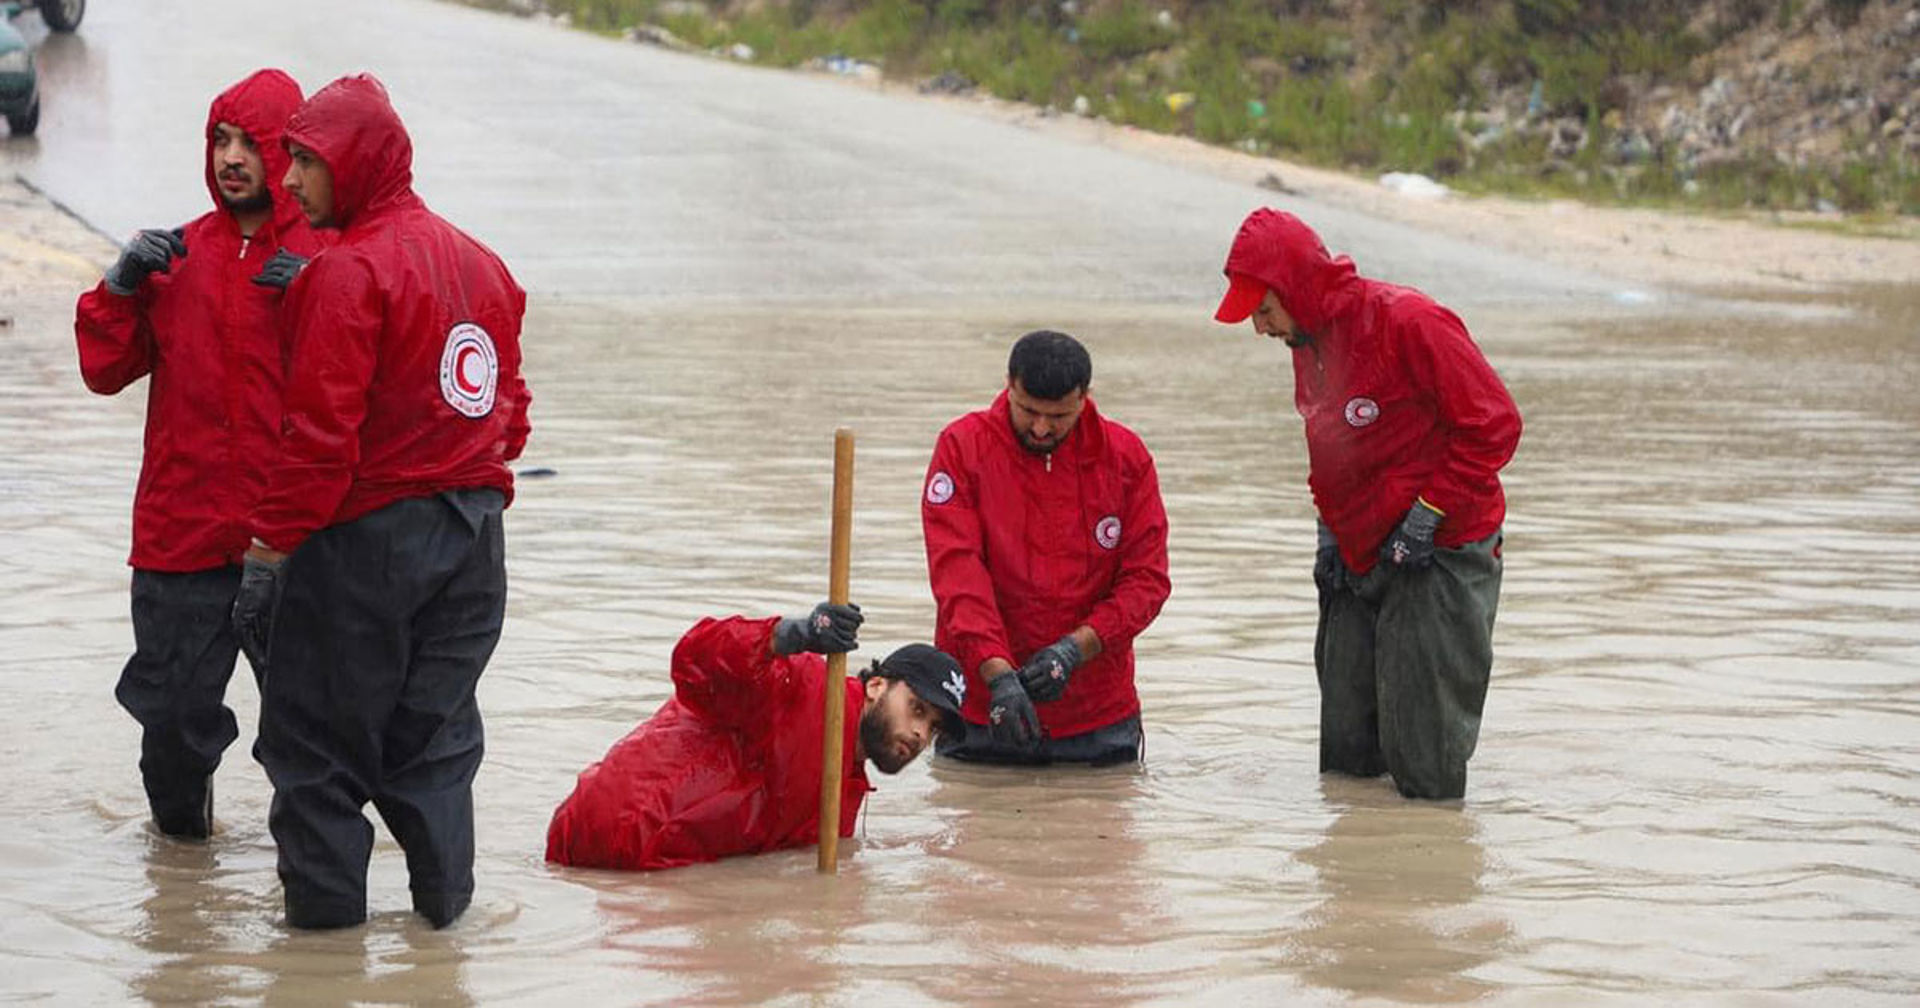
x=1081 y=106
x=1178 y=101
x=1414 y=185
x=656 y=35
x=949 y=82
x=847 y=66
x=741 y=51
x=1274 y=182
x=536 y=472
x=1164 y=19
x=1256 y=109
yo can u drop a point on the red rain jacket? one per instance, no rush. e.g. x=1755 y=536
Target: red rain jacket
x=404 y=379
x=211 y=340
x=730 y=765
x=1399 y=403
x=1024 y=548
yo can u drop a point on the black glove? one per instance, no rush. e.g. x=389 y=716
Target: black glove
x=829 y=629
x=1045 y=675
x=1329 y=571
x=1010 y=714
x=281 y=269
x=150 y=251
x=1411 y=545
x=253 y=608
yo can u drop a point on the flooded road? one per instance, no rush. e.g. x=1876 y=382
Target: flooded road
x=1699 y=779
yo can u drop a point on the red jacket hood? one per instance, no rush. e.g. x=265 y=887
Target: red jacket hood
x=1281 y=251
x=261 y=104
x=352 y=126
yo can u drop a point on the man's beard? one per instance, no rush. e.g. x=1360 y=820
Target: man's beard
x=263 y=200
x=878 y=743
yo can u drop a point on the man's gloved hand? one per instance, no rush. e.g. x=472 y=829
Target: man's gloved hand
x=1010 y=714
x=253 y=608
x=281 y=269
x=1411 y=545
x=1045 y=675
x=828 y=629
x=1329 y=571
x=150 y=251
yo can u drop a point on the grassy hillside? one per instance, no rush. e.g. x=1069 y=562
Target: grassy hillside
x=1769 y=104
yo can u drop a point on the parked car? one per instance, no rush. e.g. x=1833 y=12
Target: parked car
x=19 y=83
x=60 y=15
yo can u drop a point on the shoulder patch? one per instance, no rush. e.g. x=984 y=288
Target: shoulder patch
x=469 y=370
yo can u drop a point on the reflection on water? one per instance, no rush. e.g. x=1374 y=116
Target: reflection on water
x=1697 y=774
x=1400 y=881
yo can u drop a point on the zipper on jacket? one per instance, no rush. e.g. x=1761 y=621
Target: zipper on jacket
x=1049 y=461
x=244 y=240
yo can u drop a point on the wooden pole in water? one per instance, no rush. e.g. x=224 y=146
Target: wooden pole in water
x=834 y=690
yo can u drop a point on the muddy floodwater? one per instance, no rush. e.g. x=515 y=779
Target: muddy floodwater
x=1699 y=776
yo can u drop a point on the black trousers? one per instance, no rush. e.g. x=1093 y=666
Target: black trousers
x=1120 y=742
x=1403 y=662
x=383 y=627
x=175 y=685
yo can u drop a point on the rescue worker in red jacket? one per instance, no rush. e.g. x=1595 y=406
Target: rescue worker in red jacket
x=190 y=308
x=731 y=763
x=376 y=582
x=1407 y=429
x=1047 y=552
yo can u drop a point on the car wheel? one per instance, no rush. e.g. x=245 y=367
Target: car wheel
x=24 y=123
x=63 y=15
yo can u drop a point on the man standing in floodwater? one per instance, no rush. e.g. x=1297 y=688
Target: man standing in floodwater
x=1407 y=428
x=376 y=583
x=195 y=310
x=1047 y=552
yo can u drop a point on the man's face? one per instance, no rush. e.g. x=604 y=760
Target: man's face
x=896 y=725
x=238 y=170
x=1272 y=320
x=310 y=182
x=1041 y=424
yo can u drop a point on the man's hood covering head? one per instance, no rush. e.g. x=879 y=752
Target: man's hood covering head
x=1281 y=251
x=351 y=125
x=261 y=104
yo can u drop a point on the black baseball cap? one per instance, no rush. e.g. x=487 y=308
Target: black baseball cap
x=935 y=677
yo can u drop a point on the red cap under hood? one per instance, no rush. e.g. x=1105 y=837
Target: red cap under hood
x=1281 y=251
x=352 y=126
x=261 y=104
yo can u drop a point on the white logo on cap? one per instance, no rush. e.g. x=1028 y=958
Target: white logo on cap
x=1107 y=533
x=939 y=488
x=469 y=370
x=955 y=686
x=1362 y=411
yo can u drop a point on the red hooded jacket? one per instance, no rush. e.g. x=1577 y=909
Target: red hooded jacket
x=1398 y=401
x=1024 y=548
x=404 y=379
x=730 y=765
x=211 y=340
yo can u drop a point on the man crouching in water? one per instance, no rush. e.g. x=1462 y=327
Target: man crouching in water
x=731 y=763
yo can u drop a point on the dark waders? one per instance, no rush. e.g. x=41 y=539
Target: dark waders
x=1403 y=660
x=1120 y=742
x=383 y=627
x=175 y=685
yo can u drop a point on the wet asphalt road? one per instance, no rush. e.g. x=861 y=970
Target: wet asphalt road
x=604 y=168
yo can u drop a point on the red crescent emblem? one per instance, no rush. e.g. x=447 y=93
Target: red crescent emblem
x=466 y=354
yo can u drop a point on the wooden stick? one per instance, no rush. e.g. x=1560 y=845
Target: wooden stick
x=834 y=690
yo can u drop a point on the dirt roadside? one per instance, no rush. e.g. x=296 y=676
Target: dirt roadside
x=1662 y=248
